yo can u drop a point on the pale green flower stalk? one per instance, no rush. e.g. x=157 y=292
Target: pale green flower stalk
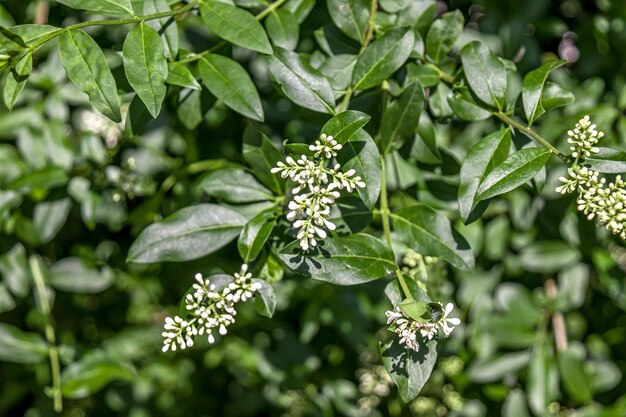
x=606 y=203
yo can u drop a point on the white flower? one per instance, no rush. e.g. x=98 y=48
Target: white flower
x=208 y=309
x=448 y=323
x=583 y=139
x=317 y=189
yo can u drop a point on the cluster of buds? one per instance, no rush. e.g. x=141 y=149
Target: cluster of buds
x=317 y=189
x=583 y=139
x=210 y=307
x=409 y=329
x=596 y=199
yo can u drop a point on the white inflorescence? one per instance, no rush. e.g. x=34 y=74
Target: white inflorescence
x=583 y=139
x=209 y=310
x=409 y=329
x=607 y=203
x=317 y=189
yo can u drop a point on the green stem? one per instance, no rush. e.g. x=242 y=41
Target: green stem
x=112 y=22
x=53 y=352
x=532 y=134
x=384 y=212
x=447 y=78
x=260 y=16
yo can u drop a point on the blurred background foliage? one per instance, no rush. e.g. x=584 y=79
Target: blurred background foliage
x=75 y=190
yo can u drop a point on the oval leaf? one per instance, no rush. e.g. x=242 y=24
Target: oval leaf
x=348 y=260
x=518 y=168
x=21 y=347
x=344 y=125
x=485 y=73
x=610 y=161
x=283 y=29
x=265 y=299
x=254 y=235
x=179 y=75
x=87 y=68
x=532 y=88
x=166 y=26
x=145 y=66
x=443 y=34
x=189 y=233
x=92 y=373
x=350 y=16
x=74 y=275
x=229 y=82
x=401 y=117
x=235 y=186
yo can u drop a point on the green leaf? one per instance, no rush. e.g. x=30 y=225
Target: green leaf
x=430 y=233
x=425 y=74
x=420 y=15
x=382 y=58
x=180 y=75
x=542 y=380
x=21 y=347
x=137 y=117
x=92 y=373
x=439 y=101
x=265 y=299
x=348 y=260
x=300 y=8
x=344 y=125
x=11 y=41
x=254 y=235
x=443 y=34
x=515 y=405
x=300 y=82
x=495 y=368
x=16 y=79
x=75 y=275
x=262 y=155
x=548 y=256
x=87 y=68
x=575 y=380
x=166 y=27
x=49 y=218
x=189 y=233
x=464 y=106
x=235 y=186
x=338 y=70
x=283 y=29
x=145 y=66
x=554 y=96
x=7 y=303
x=409 y=369
x=518 y=168
x=607 y=160
x=480 y=160
x=532 y=89
x=401 y=117
x=350 y=16
x=228 y=81
x=485 y=73
x=235 y=25
x=15 y=270
x=414 y=309
x=361 y=154
x=113 y=8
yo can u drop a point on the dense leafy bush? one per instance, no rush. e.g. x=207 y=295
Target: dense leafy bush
x=342 y=207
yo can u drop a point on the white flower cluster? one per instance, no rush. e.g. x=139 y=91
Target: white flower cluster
x=607 y=203
x=408 y=329
x=317 y=189
x=209 y=309
x=583 y=138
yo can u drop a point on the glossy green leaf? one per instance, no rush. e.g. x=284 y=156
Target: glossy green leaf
x=235 y=25
x=189 y=233
x=382 y=58
x=113 y=8
x=87 y=68
x=49 y=218
x=428 y=232
x=420 y=15
x=262 y=155
x=228 y=81
x=344 y=125
x=348 y=260
x=338 y=70
x=554 y=96
x=350 y=16
x=11 y=41
x=254 y=235
x=92 y=373
x=361 y=154
x=425 y=74
x=137 y=117
x=443 y=34
x=401 y=117
x=15 y=271
x=145 y=66
x=439 y=102
x=515 y=405
x=532 y=89
x=21 y=347
x=265 y=299
x=16 y=79
x=464 y=106
x=518 y=168
x=610 y=161
x=575 y=380
x=166 y=26
x=483 y=157
x=75 y=275
x=180 y=75
x=283 y=29
x=485 y=73
x=235 y=186
x=300 y=82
